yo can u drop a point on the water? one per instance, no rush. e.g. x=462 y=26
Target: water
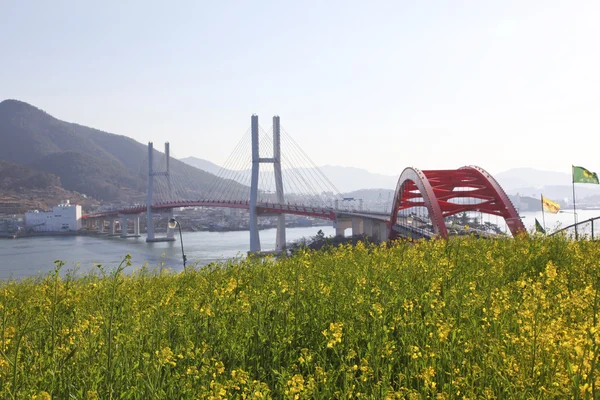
x=30 y=256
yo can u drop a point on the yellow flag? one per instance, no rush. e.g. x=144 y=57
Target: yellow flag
x=550 y=206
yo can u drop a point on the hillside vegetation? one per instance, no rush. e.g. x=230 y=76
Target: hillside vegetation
x=87 y=160
x=16 y=177
x=463 y=318
x=23 y=188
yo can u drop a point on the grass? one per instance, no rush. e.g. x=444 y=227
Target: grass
x=464 y=318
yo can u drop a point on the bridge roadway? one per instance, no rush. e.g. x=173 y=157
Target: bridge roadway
x=263 y=208
x=375 y=224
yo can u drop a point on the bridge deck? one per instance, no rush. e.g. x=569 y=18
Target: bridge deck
x=263 y=209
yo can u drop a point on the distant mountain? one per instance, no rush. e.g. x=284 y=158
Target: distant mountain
x=100 y=164
x=372 y=195
x=529 y=177
x=345 y=179
x=202 y=164
x=533 y=182
x=348 y=179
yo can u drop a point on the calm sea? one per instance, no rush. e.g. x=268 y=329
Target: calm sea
x=30 y=256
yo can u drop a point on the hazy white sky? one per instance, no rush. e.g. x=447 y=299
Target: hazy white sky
x=371 y=84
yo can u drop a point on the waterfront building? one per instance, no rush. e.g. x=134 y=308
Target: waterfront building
x=63 y=217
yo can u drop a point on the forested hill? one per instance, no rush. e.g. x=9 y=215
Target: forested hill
x=100 y=164
x=17 y=177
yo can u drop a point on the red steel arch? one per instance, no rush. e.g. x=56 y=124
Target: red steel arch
x=435 y=189
x=412 y=185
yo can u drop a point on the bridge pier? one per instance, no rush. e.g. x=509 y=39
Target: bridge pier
x=124 y=226
x=375 y=229
x=280 y=235
x=357 y=226
x=112 y=226
x=341 y=225
x=170 y=234
x=100 y=224
x=368 y=227
x=384 y=232
x=170 y=231
x=136 y=226
x=380 y=231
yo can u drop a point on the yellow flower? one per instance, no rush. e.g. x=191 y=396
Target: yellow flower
x=550 y=272
x=295 y=386
x=165 y=356
x=333 y=334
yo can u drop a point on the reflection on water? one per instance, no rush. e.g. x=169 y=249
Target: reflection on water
x=28 y=256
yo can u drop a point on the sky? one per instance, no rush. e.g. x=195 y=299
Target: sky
x=379 y=85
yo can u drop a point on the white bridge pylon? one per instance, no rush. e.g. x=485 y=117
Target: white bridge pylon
x=150 y=236
x=256 y=161
x=280 y=241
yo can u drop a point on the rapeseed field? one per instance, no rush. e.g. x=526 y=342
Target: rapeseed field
x=464 y=318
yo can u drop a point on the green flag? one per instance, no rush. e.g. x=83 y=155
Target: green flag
x=582 y=175
x=538 y=227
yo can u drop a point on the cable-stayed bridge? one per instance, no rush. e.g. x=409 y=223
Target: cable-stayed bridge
x=268 y=174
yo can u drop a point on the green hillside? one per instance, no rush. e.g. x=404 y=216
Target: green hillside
x=15 y=177
x=87 y=160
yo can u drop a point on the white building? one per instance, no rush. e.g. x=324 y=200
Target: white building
x=64 y=217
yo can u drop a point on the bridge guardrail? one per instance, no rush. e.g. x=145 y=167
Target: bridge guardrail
x=579 y=224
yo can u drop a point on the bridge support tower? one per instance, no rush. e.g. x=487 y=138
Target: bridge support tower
x=149 y=223
x=256 y=161
x=150 y=234
x=280 y=238
x=254 y=237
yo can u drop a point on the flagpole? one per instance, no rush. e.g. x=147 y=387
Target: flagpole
x=574 y=208
x=543 y=213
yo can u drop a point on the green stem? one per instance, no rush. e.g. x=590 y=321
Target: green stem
x=109 y=365
x=16 y=360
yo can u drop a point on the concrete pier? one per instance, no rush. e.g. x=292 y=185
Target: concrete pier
x=124 y=221
x=357 y=226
